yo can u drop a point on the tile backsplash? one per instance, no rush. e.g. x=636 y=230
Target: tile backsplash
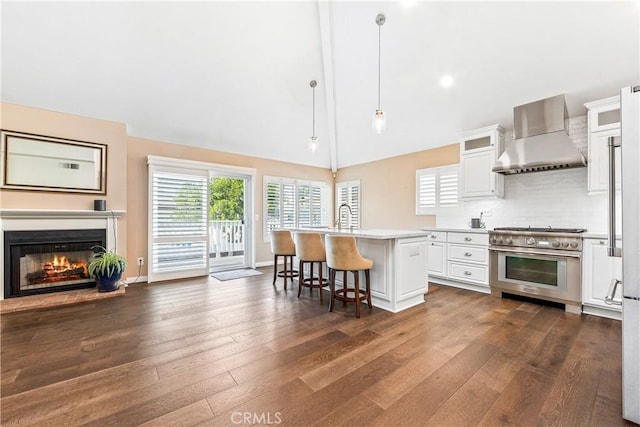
x=555 y=198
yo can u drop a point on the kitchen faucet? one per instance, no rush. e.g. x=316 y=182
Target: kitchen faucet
x=344 y=205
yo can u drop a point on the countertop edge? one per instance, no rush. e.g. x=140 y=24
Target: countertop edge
x=381 y=234
x=457 y=230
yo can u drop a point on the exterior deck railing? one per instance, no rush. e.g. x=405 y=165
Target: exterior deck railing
x=226 y=238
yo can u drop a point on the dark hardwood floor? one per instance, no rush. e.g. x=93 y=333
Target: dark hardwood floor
x=203 y=352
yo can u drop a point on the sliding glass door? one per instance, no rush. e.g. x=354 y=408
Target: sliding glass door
x=229 y=241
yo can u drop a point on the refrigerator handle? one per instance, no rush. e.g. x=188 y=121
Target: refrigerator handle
x=613 y=250
x=613 y=287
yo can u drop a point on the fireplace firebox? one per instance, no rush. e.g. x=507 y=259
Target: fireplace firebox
x=41 y=261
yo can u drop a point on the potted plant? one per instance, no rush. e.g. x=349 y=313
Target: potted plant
x=107 y=267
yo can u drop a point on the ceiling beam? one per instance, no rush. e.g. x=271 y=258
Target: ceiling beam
x=325 y=9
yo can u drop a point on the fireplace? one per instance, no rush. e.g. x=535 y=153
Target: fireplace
x=41 y=261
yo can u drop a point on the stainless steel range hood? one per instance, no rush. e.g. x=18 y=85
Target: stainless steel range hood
x=541 y=141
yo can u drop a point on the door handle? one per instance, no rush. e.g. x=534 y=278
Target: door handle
x=613 y=287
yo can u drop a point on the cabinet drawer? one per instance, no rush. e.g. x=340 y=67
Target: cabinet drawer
x=469 y=273
x=437 y=236
x=469 y=238
x=468 y=253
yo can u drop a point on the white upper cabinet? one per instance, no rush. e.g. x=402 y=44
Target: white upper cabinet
x=479 y=149
x=603 y=118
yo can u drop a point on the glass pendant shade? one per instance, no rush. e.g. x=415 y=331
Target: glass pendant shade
x=313 y=144
x=379 y=122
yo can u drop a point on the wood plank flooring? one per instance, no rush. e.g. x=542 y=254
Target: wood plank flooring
x=203 y=352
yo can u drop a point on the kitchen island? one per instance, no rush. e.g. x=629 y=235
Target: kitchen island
x=399 y=273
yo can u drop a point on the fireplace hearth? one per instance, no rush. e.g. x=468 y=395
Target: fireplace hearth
x=41 y=261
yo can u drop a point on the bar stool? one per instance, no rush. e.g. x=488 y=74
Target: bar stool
x=282 y=245
x=310 y=250
x=343 y=255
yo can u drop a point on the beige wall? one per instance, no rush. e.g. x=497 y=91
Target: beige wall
x=388 y=187
x=49 y=123
x=137 y=151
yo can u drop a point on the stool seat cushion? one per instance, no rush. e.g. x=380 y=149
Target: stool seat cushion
x=282 y=243
x=342 y=254
x=309 y=247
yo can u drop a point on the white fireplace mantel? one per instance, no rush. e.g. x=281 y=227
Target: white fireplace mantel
x=56 y=219
x=57 y=213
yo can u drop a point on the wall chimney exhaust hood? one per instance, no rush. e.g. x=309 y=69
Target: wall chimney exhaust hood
x=540 y=139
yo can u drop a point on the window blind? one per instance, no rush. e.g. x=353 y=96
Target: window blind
x=349 y=193
x=292 y=203
x=178 y=223
x=437 y=188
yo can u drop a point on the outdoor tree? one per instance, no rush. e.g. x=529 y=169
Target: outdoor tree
x=227 y=199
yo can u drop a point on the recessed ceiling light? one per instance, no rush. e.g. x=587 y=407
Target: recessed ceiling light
x=446 y=81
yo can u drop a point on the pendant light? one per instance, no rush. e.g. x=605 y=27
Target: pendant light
x=379 y=121
x=313 y=139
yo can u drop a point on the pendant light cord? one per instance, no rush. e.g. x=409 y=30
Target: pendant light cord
x=314 y=112
x=379 y=37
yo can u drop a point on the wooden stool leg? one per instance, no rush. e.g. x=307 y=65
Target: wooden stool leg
x=311 y=277
x=344 y=286
x=368 y=286
x=320 y=275
x=332 y=288
x=275 y=268
x=356 y=279
x=285 y=272
x=300 y=277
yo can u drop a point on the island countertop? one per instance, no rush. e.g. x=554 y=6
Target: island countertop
x=372 y=233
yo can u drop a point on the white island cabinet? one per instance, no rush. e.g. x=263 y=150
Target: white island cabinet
x=399 y=278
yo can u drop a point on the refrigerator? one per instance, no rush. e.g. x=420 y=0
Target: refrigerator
x=629 y=144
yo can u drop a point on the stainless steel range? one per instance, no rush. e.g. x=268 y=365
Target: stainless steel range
x=542 y=263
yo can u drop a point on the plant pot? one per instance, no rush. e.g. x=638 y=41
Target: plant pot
x=108 y=284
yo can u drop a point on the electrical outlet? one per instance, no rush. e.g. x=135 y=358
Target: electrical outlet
x=485 y=212
x=140 y=261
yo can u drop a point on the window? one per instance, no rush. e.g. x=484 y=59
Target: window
x=349 y=193
x=178 y=223
x=290 y=203
x=436 y=189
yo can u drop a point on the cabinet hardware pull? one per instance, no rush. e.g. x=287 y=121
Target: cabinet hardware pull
x=467 y=254
x=467 y=273
x=467 y=239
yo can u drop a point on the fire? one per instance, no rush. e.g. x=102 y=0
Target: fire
x=60 y=264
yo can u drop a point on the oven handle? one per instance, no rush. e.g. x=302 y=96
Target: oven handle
x=537 y=252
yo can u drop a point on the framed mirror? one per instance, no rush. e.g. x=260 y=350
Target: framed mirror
x=36 y=162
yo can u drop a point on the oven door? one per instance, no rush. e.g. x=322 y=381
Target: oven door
x=538 y=273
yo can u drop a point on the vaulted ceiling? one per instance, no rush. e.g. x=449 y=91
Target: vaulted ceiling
x=234 y=76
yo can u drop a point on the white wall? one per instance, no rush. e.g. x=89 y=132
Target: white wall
x=550 y=198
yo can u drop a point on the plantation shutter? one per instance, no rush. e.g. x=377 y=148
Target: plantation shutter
x=349 y=193
x=290 y=203
x=436 y=188
x=304 y=206
x=272 y=203
x=178 y=223
x=448 y=190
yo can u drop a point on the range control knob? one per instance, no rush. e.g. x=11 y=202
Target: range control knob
x=574 y=245
x=500 y=240
x=508 y=240
x=555 y=244
x=565 y=244
x=530 y=241
x=493 y=240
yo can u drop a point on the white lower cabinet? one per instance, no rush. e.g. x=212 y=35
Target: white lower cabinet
x=460 y=259
x=437 y=251
x=598 y=270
